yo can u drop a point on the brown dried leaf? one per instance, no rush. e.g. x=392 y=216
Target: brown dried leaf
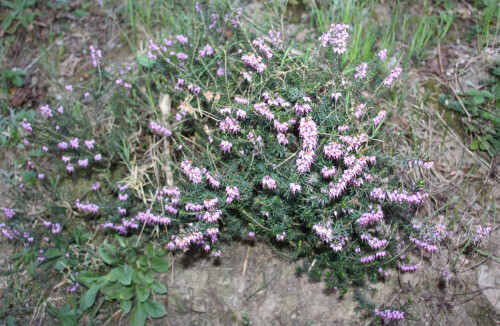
x=187 y=107
x=209 y=96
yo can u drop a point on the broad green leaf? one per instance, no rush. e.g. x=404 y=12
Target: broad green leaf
x=88 y=298
x=486 y=94
x=151 y=249
x=150 y=277
x=144 y=61
x=474 y=145
x=154 y=309
x=473 y=92
x=478 y=99
x=143 y=260
x=115 y=274
x=58 y=266
x=159 y=288
x=29 y=175
x=126 y=293
x=106 y=256
x=53 y=253
x=142 y=292
x=17 y=81
x=125 y=306
x=126 y=277
x=159 y=265
x=86 y=278
x=139 y=315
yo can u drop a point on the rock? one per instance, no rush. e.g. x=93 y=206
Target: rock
x=489 y=276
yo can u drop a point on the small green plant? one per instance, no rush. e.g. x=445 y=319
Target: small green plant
x=15 y=76
x=18 y=14
x=480 y=112
x=130 y=281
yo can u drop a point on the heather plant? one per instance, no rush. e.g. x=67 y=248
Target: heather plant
x=223 y=131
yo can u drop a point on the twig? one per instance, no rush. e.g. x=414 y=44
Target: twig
x=245 y=263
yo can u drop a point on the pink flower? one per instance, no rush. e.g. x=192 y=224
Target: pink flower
x=361 y=70
x=378 y=119
x=225 y=146
x=254 y=62
x=337 y=37
x=74 y=143
x=269 y=183
x=295 y=188
x=97 y=157
x=69 y=88
x=395 y=73
x=382 y=54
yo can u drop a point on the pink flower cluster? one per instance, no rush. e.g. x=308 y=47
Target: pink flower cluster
x=382 y=54
x=87 y=207
x=194 y=89
x=281 y=237
x=276 y=39
x=282 y=139
x=225 y=146
x=424 y=244
x=337 y=37
x=353 y=143
x=269 y=183
x=425 y=165
x=407 y=268
x=182 y=39
x=390 y=314
x=348 y=176
x=230 y=124
x=360 y=109
x=186 y=240
x=395 y=73
x=327 y=172
x=295 y=188
x=378 y=119
x=370 y=218
x=210 y=216
x=96 y=55
x=151 y=219
x=278 y=101
x=240 y=100
x=263 y=47
x=308 y=131
x=254 y=62
x=232 y=193
x=324 y=232
x=9 y=212
x=304 y=108
x=333 y=150
x=213 y=180
x=264 y=111
x=46 y=111
x=156 y=128
x=481 y=232
x=281 y=126
x=361 y=71
x=367 y=259
x=194 y=174
x=26 y=125
x=241 y=114
x=206 y=51
x=373 y=242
